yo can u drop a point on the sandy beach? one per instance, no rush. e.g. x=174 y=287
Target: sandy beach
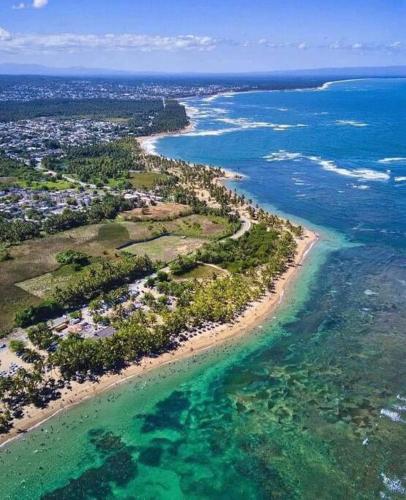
x=255 y=315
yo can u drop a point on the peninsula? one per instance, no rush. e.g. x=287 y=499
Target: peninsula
x=159 y=260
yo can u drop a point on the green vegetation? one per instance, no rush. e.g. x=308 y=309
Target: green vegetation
x=182 y=265
x=212 y=279
x=92 y=281
x=165 y=248
x=258 y=246
x=137 y=113
x=17 y=174
x=41 y=336
x=72 y=257
x=17 y=231
x=98 y=163
x=201 y=272
x=147 y=180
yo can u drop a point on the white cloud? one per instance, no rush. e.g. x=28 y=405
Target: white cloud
x=39 y=4
x=337 y=45
x=57 y=42
x=21 y=42
x=4 y=35
x=19 y=6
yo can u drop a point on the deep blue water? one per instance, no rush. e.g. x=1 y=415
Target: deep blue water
x=314 y=404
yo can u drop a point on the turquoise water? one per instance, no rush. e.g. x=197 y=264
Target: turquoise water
x=312 y=405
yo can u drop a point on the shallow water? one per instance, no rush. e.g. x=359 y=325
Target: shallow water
x=312 y=405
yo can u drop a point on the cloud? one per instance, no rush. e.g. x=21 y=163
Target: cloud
x=36 y=4
x=21 y=42
x=31 y=43
x=39 y=4
x=4 y=35
x=336 y=45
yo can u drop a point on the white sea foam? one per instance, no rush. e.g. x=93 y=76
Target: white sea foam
x=351 y=123
x=392 y=415
x=194 y=112
x=400 y=179
x=283 y=155
x=360 y=173
x=244 y=123
x=204 y=133
x=327 y=85
x=149 y=145
x=394 y=485
x=212 y=98
x=361 y=187
x=393 y=160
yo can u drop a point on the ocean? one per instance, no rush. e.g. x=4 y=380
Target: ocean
x=313 y=403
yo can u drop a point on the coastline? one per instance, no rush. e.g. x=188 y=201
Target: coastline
x=254 y=316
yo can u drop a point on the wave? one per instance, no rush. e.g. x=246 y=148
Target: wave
x=400 y=179
x=204 y=133
x=328 y=165
x=212 y=98
x=393 y=485
x=360 y=173
x=352 y=123
x=149 y=145
x=194 y=112
x=393 y=160
x=361 y=187
x=244 y=123
x=283 y=155
x=327 y=85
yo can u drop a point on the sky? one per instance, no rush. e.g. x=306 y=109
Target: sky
x=203 y=35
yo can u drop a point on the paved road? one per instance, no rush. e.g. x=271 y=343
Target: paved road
x=245 y=226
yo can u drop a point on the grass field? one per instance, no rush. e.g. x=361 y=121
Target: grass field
x=203 y=271
x=46 y=185
x=165 y=248
x=146 y=180
x=159 y=212
x=34 y=268
x=41 y=286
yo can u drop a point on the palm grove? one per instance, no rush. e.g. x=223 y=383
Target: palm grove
x=252 y=263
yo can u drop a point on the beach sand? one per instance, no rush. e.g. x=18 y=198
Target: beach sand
x=255 y=315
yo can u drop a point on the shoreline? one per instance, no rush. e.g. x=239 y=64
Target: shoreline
x=254 y=316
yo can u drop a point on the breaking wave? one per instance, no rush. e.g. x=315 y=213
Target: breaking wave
x=351 y=123
x=244 y=123
x=393 y=160
x=328 y=165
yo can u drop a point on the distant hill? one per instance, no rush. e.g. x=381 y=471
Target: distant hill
x=38 y=69
x=361 y=72
x=349 y=72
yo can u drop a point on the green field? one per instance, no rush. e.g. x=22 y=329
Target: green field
x=146 y=180
x=203 y=271
x=165 y=248
x=33 y=270
x=43 y=285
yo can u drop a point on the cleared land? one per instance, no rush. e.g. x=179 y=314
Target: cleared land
x=159 y=212
x=165 y=248
x=146 y=180
x=33 y=271
x=204 y=271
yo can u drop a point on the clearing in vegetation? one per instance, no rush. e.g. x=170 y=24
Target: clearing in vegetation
x=165 y=248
